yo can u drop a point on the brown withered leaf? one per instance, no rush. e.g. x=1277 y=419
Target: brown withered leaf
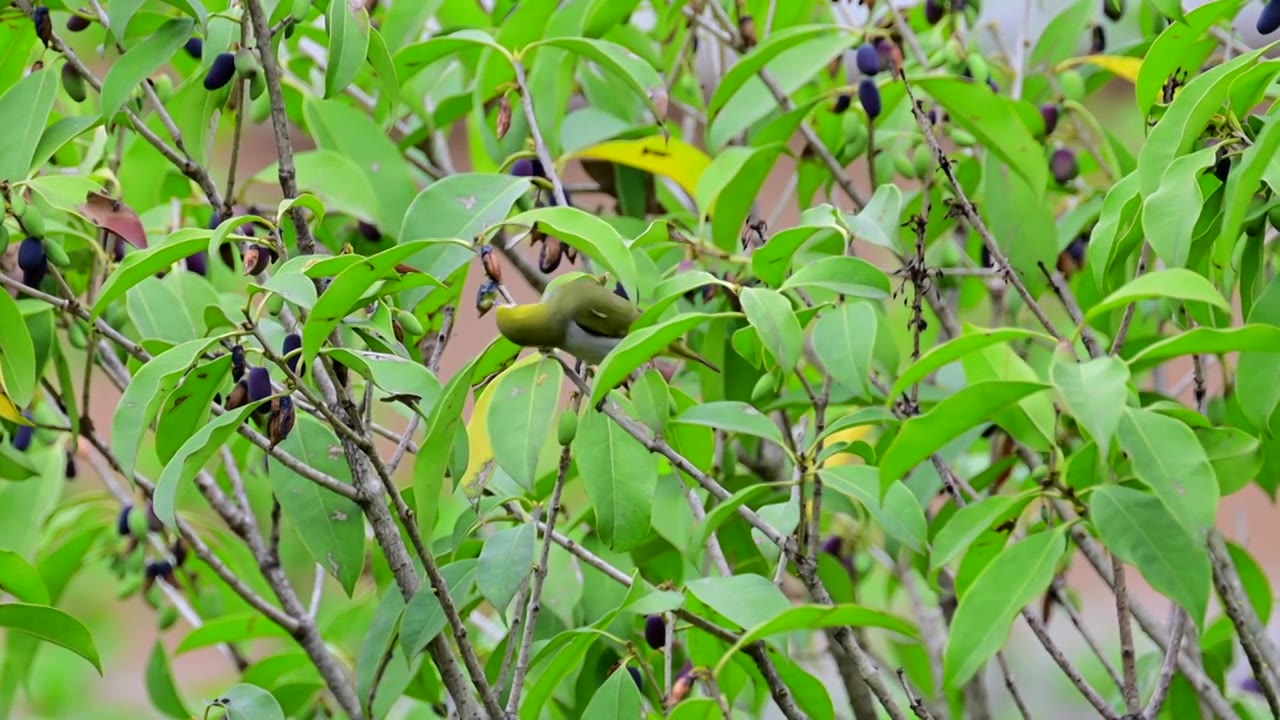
x=504 y=117
x=107 y=212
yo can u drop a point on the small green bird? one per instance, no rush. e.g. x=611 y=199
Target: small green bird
x=582 y=318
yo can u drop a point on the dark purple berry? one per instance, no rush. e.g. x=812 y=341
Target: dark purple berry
x=179 y=550
x=934 y=10
x=33 y=278
x=122 y=521
x=199 y=263
x=78 y=22
x=153 y=520
x=71 y=471
x=869 y=96
x=117 y=250
x=283 y=417
x=991 y=83
x=832 y=545
x=528 y=167
x=1049 y=112
x=22 y=437
x=843 y=101
x=259 y=384
x=620 y=291
x=31 y=254
x=292 y=344
x=1098 y=44
x=195 y=48
x=655 y=631
x=159 y=569
x=237 y=362
x=221 y=72
x=635 y=675
x=1269 y=19
x=1222 y=168
x=369 y=231
x=1064 y=166
x=1113 y=9
x=867 y=59
x=43 y=23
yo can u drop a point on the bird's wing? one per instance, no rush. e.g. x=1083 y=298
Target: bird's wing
x=606 y=315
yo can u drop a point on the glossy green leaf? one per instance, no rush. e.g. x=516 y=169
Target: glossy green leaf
x=880 y=222
x=131 y=69
x=20 y=580
x=52 y=626
x=923 y=435
x=992 y=119
x=748 y=66
x=844 y=340
x=1178 y=284
x=620 y=476
x=850 y=276
x=1061 y=36
x=505 y=562
x=746 y=600
x=194 y=453
x=728 y=188
x=1016 y=215
x=1181 y=45
x=142 y=264
x=1170 y=213
x=969 y=522
x=334 y=177
x=436 y=448
x=1093 y=392
x=1169 y=459
x=640 y=346
x=731 y=416
x=17 y=353
x=1208 y=341
x=1243 y=183
x=899 y=512
x=424 y=617
x=1254 y=580
x=620 y=62
x=770 y=263
x=771 y=314
x=348 y=46
x=459 y=206
x=412 y=59
x=331 y=526
x=618 y=697
x=394 y=375
x=144 y=395
x=815 y=617
x=974 y=339
x=24 y=112
x=160 y=686
x=1139 y=529
x=1236 y=457
x=230 y=629
x=1010 y=582
x=589 y=234
x=189 y=405
x=249 y=701
x=523 y=400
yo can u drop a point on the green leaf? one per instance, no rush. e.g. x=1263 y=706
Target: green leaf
x=189 y=405
x=923 y=435
x=620 y=62
x=815 y=617
x=1208 y=341
x=1181 y=45
x=1242 y=184
x=1012 y=580
x=437 y=446
x=348 y=46
x=880 y=221
x=1177 y=283
x=15 y=465
x=20 y=580
x=1254 y=580
x=618 y=697
x=249 y=701
x=748 y=66
x=121 y=13
x=423 y=617
x=459 y=206
x=414 y=58
x=17 y=353
x=771 y=314
x=971 y=521
x=993 y=120
x=1139 y=529
x=331 y=526
x=395 y=375
x=1170 y=213
x=347 y=290
x=746 y=600
x=524 y=398
x=142 y=264
x=771 y=262
x=974 y=339
x=899 y=513
x=1235 y=455
x=145 y=393
x=24 y=112
x=732 y=416
x=727 y=189
x=850 y=276
x=620 y=476
x=194 y=453
x=52 y=626
x=1016 y=215
x=505 y=561
x=1169 y=459
x=1061 y=36
x=335 y=178
x=587 y=233
x=844 y=339
x=642 y=345
x=230 y=629
x=1094 y=393
x=160 y=686
x=132 y=69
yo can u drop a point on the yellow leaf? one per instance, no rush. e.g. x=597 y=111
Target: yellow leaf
x=480 y=455
x=673 y=158
x=8 y=410
x=848 y=435
x=1120 y=66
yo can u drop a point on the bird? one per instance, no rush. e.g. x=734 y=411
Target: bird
x=582 y=318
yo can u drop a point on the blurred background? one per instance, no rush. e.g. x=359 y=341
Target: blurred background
x=125 y=631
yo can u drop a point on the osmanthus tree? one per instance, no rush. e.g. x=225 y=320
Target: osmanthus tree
x=895 y=464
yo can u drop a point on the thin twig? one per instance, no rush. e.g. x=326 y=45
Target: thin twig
x=1168 y=667
x=1128 y=656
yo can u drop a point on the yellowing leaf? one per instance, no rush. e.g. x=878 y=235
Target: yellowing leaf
x=673 y=158
x=480 y=448
x=1120 y=66
x=8 y=410
x=848 y=435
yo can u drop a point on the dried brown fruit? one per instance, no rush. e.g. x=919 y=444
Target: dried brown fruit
x=504 y=117
x=489 y=259
x=550 y=255
x=283 y=416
